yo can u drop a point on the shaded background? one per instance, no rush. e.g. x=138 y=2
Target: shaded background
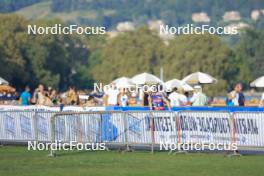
x=132 y=44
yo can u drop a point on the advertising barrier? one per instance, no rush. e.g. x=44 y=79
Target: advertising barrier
x=248 y=129
x=128 y=128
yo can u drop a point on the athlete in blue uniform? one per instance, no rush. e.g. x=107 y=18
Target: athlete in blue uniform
x=157 y=100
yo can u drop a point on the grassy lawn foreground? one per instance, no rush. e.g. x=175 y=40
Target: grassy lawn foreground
x=18 y=161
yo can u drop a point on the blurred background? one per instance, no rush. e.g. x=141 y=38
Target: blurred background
x=132 y=44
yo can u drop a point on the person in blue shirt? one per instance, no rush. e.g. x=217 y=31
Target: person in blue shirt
x=26 y=97
x=157 y=100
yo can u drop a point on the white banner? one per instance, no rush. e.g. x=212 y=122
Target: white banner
x=205 y=127
x=245 y=128
x=249 y=129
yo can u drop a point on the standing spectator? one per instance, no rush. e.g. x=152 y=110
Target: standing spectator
x=199 y=98
x=123 y=98
x=133 y=99
x=111 y=95
x=233 y=97
x=261 y=103
x=142 y=97
x=39 y=95
x=145 y=99
x=236 y=96
x=54 y=97
x=157 y=100
x=72 y=96
x=229 y=101
x=26 y=97
x=187 y=95
x=47 y=101
x=241 y=97
x=177 y=99
x=50 y=89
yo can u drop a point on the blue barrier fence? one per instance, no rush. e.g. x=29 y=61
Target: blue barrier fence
x=244 y=126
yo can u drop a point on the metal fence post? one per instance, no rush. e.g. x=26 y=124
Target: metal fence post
x=52 y=132
x=178 y=134
x=233 y=134
x=100 y=128
x=126 y=130
x=152 y=131
x=35 y=126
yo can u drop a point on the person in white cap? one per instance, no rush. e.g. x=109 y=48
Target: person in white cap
x=199 y=98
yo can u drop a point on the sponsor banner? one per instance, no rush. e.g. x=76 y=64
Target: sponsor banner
x=165 y=130
x=248 y=129
x=204 y=127
x=245 y=128
x=138 y=127
x=154 y=127
x=9 y=127
x=42 y=127
x=25 y=126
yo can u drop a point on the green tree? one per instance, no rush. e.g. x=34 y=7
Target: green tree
x=206 y=53
x=128 y=54
x=13 y=66
x=250 y=54
x=54 y=60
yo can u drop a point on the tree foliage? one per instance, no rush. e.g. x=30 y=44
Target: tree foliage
x=12 y=5
x=32 y=59
x=206 y=53
x=128 y=54
x=143 y=51
x=62 y=60
x=173 y=12
x=250 y=54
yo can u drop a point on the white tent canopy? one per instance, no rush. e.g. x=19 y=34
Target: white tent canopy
x=259 y=82
x=199 y=78
x=3 y=81
x=175 y=83
x=146 y=78
x=123 y=82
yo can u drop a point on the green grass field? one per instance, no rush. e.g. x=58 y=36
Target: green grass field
x=18 y=161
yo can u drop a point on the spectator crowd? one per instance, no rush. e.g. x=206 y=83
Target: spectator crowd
x=114 y=96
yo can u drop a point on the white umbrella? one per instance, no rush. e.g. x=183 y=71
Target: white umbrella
x=146 y=78
x=199 y=78
x=3 y=81
x=178 y=84
x=258 y=82
x=123 y=82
